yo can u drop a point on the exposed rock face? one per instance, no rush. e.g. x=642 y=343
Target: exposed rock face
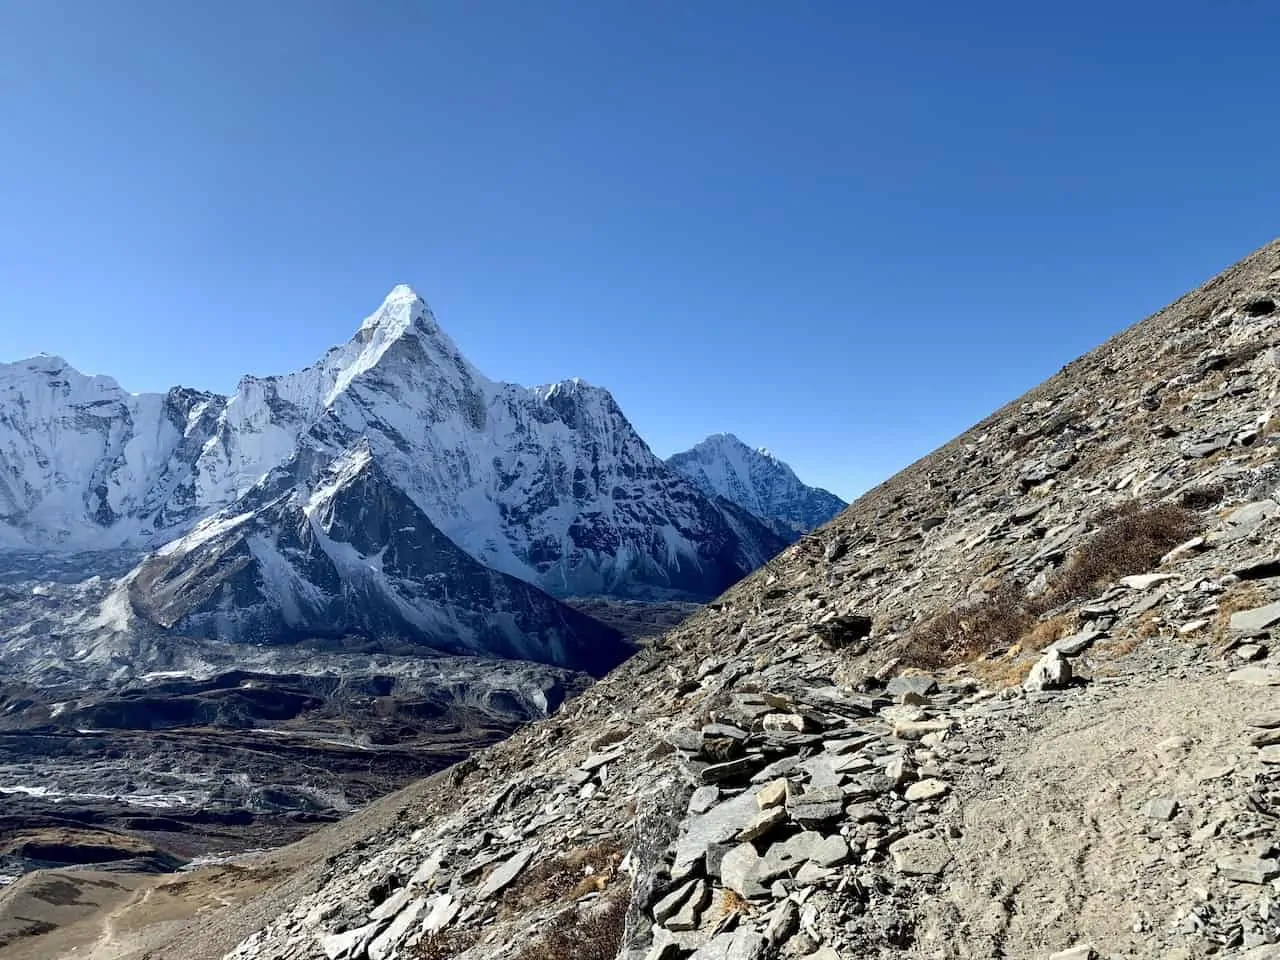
x=758 y=482
x=550 y=484
x=351 y=555
x=950 y=813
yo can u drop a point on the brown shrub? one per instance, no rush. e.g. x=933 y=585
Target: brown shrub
x=444 y=945
x=963 y=633
x=1130 y=539
x=1202 y=496
x=568 y=875
x=593 y=932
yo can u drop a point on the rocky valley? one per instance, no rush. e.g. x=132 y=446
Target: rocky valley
x=1017 y=701
x=227 y=621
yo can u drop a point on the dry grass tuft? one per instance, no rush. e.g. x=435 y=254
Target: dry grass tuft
x=566 y=876
x=963 y=633
x=1130 y=539
x=593 y=932
x=444 y=945
x=1241 y=597
x=1009 y=671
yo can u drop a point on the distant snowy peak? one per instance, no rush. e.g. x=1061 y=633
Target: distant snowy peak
x=757 y=481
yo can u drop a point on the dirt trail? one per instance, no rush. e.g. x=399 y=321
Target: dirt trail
x=1055 y=850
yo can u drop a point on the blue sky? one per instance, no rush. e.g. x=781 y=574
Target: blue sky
x=845 y=231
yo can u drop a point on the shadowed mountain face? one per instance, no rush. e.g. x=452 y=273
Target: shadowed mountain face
x=349 y=554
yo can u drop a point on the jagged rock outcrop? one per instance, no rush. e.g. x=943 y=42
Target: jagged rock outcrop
x=832 y=799
x=758 y=482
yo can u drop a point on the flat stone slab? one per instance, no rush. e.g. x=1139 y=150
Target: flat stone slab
x=503 y=875
x=926 y=789
x=1255 y=677
x=1145 y=581
x=1248 y=869
x=1255 y=620
x=920 y=856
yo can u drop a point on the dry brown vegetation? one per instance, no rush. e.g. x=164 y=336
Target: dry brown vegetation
x=1129 y=539
x=592 y=932
x=444 y=945
x=1245 y=596
x=564 y=876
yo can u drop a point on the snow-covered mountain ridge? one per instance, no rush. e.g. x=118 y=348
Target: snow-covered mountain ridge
x=550 y=484
x=756 y=480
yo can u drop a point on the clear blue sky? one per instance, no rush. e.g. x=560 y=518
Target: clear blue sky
x=845 y=231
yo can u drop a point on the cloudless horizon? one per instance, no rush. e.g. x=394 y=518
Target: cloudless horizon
x=839 y=232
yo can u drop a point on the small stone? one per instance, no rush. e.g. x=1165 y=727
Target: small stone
x=1265 y=721
x=740 y=872
x=764 y=823
x=1162 y=809
x=920 y=855
x=738 y=945
x=917 y=729
x=1250 y=651
x=772 y=794
x=730 y=770
x=918 y=683
x=926 y=790
x=1255 y=870
x=703 y=799
x=1191 y=626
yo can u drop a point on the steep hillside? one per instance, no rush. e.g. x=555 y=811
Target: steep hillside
x=1017 y=701
x=756 y=480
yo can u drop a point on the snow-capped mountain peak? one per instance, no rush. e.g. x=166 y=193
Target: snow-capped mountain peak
x=756 y=480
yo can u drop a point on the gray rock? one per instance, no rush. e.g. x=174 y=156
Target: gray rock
x=1076 y=643
x=1051 y=672
x=503 y=875
x=351 y=943
x=1162 y=808
x=729 y=770
x=740 y=872
x=1083 y=952
x=817 y=805
x=386 y=943
x=919 y=683
x=764 y=823
x=1255 y=676
x=1145 y=581
x=443 y=911
x=686 y=917
x=926 y=790
x=783 y=922
x=920 y=855
x=1265 y=721
x=738 y=945
x=668 y=905
x=1249 y=622
x=703 y=799
x=1248 y=869
x=718 y=825
x=724 y=730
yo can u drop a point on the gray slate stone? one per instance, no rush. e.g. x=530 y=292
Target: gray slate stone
x=503 y=875
x=740 y=872
x=920 y=856
x=718 y=825
x=739 y=945
x=1253 y=621
x=1248 y=869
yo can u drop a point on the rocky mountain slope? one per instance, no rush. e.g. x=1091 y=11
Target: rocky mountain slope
x=1016 y=701
x=756 y=480
x=551 y=485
